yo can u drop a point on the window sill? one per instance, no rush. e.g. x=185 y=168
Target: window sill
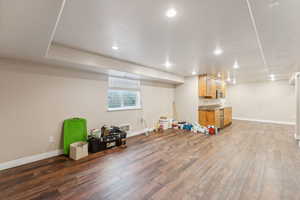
x=123 y=109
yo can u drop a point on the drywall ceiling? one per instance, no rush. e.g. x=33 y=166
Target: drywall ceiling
x=26 y=27
x=262 y=35
x=146 y=36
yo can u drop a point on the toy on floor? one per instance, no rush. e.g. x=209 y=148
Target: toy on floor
x=212 y=130
x=198 y=128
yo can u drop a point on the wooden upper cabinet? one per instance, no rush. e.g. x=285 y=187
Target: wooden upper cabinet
x=211 y=87
x=207 y=87
x=202 y=86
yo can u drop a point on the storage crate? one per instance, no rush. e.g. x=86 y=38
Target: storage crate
x=78 y=150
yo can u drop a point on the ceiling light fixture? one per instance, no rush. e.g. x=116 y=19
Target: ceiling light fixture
x=171 y=13
x=236 y=65
x=194 y=73
x=234 y=81
x=272 y=76
x=219 y=75
x=218 y=51
x=115 y=47
x=168 y=64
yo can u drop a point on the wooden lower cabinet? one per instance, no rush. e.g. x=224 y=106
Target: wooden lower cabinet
x=202 y=118
x=227 y=116
x=209 y=118
x=218 y=117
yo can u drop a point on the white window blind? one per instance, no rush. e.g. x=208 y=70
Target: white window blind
x=123 y=94
x=123 y=83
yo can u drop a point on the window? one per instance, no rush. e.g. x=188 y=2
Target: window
x=123 y=94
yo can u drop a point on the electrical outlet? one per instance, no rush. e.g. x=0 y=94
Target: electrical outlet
x=51 y=139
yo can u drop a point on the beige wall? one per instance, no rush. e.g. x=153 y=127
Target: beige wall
x=271 y=101
x=186 y=100
x=35 y=99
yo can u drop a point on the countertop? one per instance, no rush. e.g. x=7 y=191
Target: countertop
x=213 y=107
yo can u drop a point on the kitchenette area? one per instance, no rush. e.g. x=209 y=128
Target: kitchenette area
x=213 y=109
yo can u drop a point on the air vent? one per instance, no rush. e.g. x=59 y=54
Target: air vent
x=125 y=127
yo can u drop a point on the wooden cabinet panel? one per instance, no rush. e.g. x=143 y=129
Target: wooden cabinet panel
x=215 y=117
x=227 y=116
x=209 y=118
x=202 y=118
x=210 y=115
x=202 y=86
x=207 y=87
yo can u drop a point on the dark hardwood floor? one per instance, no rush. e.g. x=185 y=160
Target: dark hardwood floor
x=245 y=161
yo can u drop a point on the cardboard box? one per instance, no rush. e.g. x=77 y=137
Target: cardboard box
x=78 y=150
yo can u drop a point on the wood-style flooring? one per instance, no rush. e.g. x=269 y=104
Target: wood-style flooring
x=245 y=161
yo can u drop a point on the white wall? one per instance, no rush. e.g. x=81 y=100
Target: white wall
x=271 y=101
x=35 y=99
x=187 y=100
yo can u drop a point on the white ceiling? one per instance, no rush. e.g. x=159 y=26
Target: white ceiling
x=26 y=27
x=147 y=38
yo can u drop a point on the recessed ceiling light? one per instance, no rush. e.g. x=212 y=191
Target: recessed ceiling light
x=218 y=51
x=236 y=65
x=272 y=76
x=115 y=47
x=168 y=64
x=171 y=13
x=194 y=73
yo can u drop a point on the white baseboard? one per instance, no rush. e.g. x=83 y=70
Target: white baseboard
x=135 y=133
x=264 y=121
x=29 y=159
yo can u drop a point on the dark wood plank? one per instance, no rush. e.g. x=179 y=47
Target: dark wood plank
x=246 y=161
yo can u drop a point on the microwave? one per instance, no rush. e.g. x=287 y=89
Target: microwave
x=220 y=94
